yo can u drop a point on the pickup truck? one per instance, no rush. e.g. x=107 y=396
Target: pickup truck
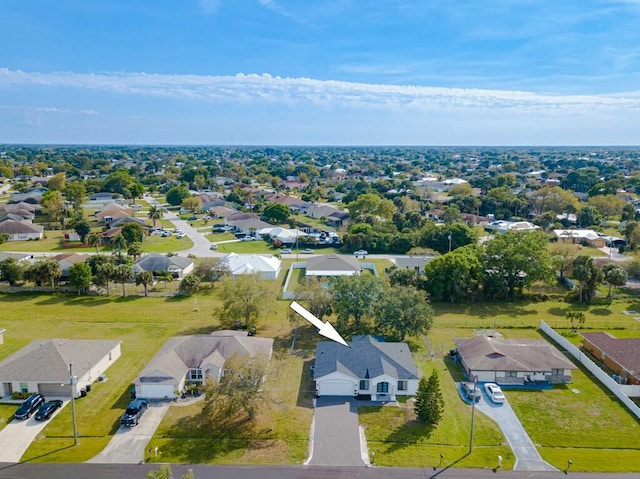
x=134 y=412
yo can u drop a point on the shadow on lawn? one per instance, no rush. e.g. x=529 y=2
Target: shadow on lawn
x=199 y=439
x=306 y=388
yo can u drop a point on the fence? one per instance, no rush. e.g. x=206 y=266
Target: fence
x=593 y=368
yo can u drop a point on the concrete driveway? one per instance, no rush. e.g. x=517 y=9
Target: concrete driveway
x=129 y=443
x=527 y=456
x=335 y=433
x=16 y=437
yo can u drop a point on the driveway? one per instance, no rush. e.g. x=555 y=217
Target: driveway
x=527 y=456
x=16 y=437
x=129 y=443
x=335 y=435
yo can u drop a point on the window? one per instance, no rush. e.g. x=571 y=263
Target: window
x=402 y=385
x=510 y=374
x=558 y=372
x=382 y=387
x=364 y=384
x=195 y=374
x=24 y=387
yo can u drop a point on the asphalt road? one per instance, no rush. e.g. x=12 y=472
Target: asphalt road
x=336 y=433
x=130 y=471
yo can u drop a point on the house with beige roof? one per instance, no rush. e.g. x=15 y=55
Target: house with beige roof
x=513 y=361
x=43 y=366
x=196 y=358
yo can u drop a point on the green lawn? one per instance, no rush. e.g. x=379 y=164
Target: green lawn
x=6 y=413
x=397 y=439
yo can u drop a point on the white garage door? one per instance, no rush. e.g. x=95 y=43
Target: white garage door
x=54 y=390
x=155 y=391
x=335 y=387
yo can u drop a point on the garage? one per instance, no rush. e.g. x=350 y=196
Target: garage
x=155 y=391
x=335 y=387
x=54 y=389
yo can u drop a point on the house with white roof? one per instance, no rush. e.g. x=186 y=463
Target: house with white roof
x=502 y=226
x=265 y=266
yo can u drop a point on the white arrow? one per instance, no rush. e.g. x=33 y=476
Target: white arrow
x=324 y=329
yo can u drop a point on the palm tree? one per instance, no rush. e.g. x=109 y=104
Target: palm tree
x=105 y=273
x=51 y=271
x=155 y=213
x=165 y=276
x=144 y=278
x=118 y=243
x=123 y=273
x=95 y=240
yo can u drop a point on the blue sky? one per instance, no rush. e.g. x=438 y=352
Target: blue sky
x=320 y=72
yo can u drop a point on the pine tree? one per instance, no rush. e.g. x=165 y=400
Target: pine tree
x=429 y=405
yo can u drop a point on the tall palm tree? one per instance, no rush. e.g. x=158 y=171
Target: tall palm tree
x=155 y=213
x=123 y=273
x=95 y=239
x=118 y=243
x=165 y=276
x=144 y=278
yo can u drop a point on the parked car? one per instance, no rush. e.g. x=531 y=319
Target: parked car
x=306 y=251
x=192 y=218
x=285 y=251
x=213 y=246
x=134 y=412
x=47 y=409
x=166 y=233
x=360 y=252
x=249 y=238
x=31 y=404
x=471 y=391
x=494 y=392
x=180 y=235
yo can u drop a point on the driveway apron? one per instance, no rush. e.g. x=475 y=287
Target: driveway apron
x=129 y=443
x=527 y=456
x=336 y=434
x=16 y=437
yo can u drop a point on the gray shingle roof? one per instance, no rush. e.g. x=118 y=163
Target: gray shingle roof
x=47 y=360
x=16 y=227
x=482 y=353
x=332 y=262
x=368 y=357
x=160 y=262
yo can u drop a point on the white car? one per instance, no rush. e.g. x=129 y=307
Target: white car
x=360 y=252
x=285 y=251
x=494 y=392
x=249 y=238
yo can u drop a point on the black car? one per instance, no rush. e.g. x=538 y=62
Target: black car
x=32 y=403
x=134 y=412
x=47 y=409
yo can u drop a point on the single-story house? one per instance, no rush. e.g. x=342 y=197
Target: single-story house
x=332 y=265
x=502 y=226
x=338 y=219
x=220 y=211
x=248 y=226
x=621 y=355
x=321 y=211
x=369 y=367
x=67 y=260
x=102 y=196
x=178 y=266
x=513 y=361
x=33 y=196
x=21 y=230
x=123 y=220
x=112 y=211
x=285 y=235
x=43 y=366
x=196 y=358
x=266 y=267
x=576 y=236
x=415 y=263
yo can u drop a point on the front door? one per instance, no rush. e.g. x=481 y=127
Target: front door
x=7 y=388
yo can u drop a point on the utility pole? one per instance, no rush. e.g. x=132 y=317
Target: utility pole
x=473 y=411
x=72 y=382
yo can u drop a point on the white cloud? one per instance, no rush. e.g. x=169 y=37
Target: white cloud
x=209 y=6
x=265 y=88
x=47 y=109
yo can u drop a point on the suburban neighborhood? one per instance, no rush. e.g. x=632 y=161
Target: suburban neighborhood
x=491 y=315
